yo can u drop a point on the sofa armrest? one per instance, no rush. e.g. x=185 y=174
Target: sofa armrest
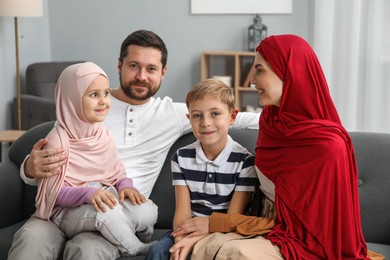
x=11 y=194
x=17 y=153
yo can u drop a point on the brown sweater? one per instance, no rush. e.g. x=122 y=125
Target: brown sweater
x=250 y=225
x=240 y=224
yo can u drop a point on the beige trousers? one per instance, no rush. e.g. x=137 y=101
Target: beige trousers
x=231 y=246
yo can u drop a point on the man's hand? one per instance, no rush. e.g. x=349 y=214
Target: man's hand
x=134 y=196
x=101 y=198
x=44 y=163
x=192 y=227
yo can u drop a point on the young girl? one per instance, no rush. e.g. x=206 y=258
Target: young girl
x=84 y=196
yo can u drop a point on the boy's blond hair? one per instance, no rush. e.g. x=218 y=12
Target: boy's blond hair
x=214 y=88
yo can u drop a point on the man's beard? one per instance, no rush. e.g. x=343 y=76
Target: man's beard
x=134 y=94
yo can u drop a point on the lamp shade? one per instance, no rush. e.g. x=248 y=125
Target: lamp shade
x=21 y=8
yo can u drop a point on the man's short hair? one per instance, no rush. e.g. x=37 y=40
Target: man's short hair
x=145 y=38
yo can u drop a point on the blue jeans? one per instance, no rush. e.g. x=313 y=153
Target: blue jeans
x=160 y=250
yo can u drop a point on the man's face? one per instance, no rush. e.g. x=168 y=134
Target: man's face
x=141 y=73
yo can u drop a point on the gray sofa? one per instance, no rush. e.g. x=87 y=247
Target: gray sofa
x=372 y=152
x=37 y=99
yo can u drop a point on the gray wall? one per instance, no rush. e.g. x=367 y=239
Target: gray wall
x=94 y=29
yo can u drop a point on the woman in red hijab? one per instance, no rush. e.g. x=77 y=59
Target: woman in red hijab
x=305 y=151
x=305 y=162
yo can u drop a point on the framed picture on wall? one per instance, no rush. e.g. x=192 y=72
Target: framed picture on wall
x=241 y=7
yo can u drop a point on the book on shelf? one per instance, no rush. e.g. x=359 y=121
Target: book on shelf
x=247 y=81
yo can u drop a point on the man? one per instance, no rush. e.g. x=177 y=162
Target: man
x=144 y=129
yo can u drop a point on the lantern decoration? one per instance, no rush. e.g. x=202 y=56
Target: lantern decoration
x=256 y=33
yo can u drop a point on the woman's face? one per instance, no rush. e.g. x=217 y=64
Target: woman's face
x=269 y=86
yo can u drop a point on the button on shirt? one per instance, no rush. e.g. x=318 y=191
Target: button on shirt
x=131 y=126
x=144 y=134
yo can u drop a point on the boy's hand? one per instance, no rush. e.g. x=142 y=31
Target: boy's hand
x=134 y=196
x=181 y=249
x=101 y=198
x=175 y=254
x=192 y=227
x=44 y=163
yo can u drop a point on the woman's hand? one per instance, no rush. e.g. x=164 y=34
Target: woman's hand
x=181 y=249
x=134 y=196
x=101 y=198
x=44 y=163
x=192 y=227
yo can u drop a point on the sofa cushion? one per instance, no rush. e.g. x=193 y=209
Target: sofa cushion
x=380 y=249
x=12 y=186
x=6 y=236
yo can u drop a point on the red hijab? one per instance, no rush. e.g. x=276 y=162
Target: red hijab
x=305 y=151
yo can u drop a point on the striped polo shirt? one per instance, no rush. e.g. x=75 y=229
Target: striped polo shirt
x=212 y=183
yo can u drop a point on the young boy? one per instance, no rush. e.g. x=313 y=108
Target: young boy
x=214 y=174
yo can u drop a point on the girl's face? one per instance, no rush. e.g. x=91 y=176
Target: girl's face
x=96 y=100
x=268 y=84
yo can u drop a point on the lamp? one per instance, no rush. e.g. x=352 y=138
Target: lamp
x=20 y=8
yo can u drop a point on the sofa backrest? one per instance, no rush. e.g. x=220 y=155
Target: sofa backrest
x=41 y=77
x=163 y=193
x=372 y=153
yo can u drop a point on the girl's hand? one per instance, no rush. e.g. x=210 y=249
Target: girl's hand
x=101 y=198
x=134 y=196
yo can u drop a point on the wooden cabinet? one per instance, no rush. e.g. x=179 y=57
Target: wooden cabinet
x=237 y=65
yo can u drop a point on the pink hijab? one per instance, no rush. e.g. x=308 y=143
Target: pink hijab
x=91 y=151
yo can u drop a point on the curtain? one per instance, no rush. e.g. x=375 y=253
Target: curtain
x=352 y=41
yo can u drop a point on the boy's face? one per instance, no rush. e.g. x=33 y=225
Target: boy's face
x=210 y=120
x=141 y=73
x=96 y=100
